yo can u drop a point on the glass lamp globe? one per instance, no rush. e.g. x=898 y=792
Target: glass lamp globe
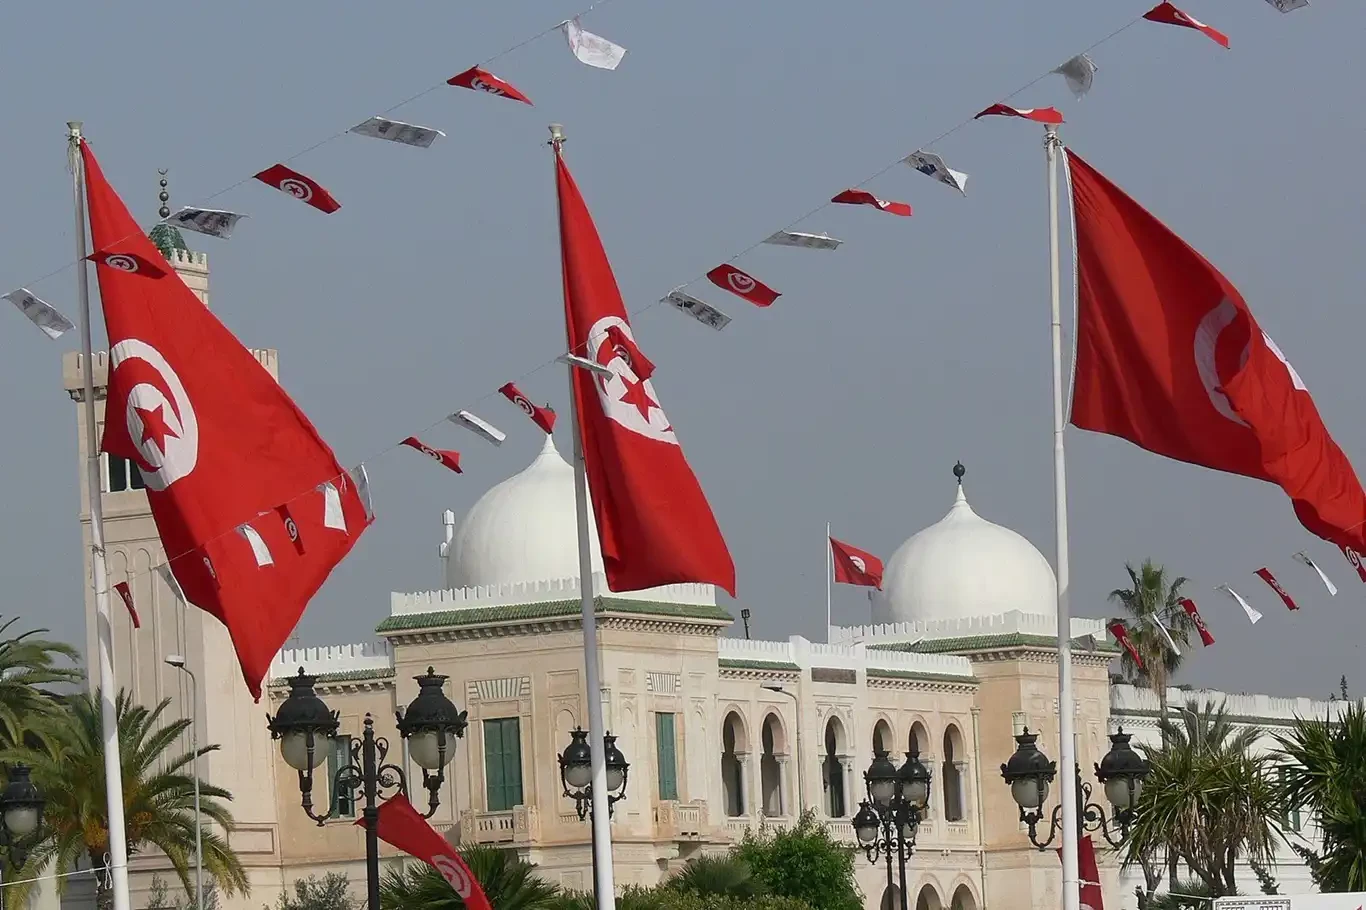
x=577 y=762
x=915 y=781
x=426 y=750
x=22 y=821
x=294 y=750
x=616 y=764
x=431 y=723
x=865 y=824
x=881 y=779
x=1117 y=792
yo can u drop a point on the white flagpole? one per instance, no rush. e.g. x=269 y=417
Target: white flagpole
x=604 y=886
x=1067 y=745
x=113 y=772
x=829 y=575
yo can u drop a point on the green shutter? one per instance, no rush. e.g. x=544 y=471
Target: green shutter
x=503 y=763
x=343 y=801
x=666 y=756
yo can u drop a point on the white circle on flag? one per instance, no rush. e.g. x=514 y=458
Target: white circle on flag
x=859 y=564
x=159 y=468
x=297 y=188
x=625 y=394
x=292 y=529
x=741 y=282
x=525 y=405
x=454 y=875
x=121 y=262
x=1206 y=343
x=480 y=85
x=209 y=565
x=435 y=456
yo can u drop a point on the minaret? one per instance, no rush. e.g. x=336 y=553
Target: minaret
x=226 y=714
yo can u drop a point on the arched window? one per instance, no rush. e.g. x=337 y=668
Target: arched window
x=963 y=899
x=770 y=769
x=891 y=898
x=928 y=899
x=882 y=739
x=832 y=769
x=734 y=743
x=952 y=774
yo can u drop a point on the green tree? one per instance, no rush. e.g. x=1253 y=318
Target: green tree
x=1208 y=800
x=669 y=899
x=727 y=876
x=158 y=794
x=509 y=883
x=331 y=892
x=1325 y=772
x=1153 y=596
x=802 y=862
x=29 y=667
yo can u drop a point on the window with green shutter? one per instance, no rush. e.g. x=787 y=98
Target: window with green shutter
x=343 y=800
x=1290 y=818
x=503 y=763
x=666 y=755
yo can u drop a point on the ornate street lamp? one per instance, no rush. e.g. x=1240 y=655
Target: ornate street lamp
x=21 y=815
x=1121 y=772
x=576 y=772
x=887 y=821
x=306 y=729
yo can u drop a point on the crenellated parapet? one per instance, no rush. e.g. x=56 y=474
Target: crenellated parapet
x=332 y=659
x=532 y=592
x=1012 y=622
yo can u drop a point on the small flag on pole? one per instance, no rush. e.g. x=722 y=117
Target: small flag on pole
x=1288 y=6
x=863 y=197
x=804 y=240
x=1037 y=114
x=291 y=527
x=1121 y=635
x=130 y=263
x=361 y=478
x=41 y=313
x=543 y=417
x=1167 y=14
x=1355 y=559
x=333 y=516
x=483 y=81
x=213 y=222
x=258 y=545
x=624 y=346
x=704 y=313
x=592 y=49
x=1166 y=636
x=854 y=566
x=305 y=189
x=1079 y=72
x=1265 y=575
x=742 y=284
x=478 y=426
x=1252 y=615
x=164 y=570
x=1206 y=638
x=447 y=457
x=397 y=131
x=126 y=595
x=1303 y=557
x=932 y=165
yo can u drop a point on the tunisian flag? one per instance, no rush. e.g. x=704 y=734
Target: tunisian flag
x=1170 y=358
x=1088 y=871
x=654 y=522
x=218 y=443
x=854 y=566
x=399 y=824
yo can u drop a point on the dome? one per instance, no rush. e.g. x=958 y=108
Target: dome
x=964 y=566
x=522 y=530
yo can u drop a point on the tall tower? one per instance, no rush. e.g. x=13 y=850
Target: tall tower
x=225 y=713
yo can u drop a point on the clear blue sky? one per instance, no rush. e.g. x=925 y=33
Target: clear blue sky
x=922 y=341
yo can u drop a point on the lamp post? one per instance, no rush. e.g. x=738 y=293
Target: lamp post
x=21 y=815
x=178 y=661
x=888 y=819
x=1120 y=772
x=576 y=774
x=306 y=729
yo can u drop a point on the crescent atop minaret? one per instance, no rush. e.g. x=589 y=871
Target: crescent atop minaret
x=1206 y=341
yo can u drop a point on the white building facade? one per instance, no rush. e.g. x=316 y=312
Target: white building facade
x=722 y=734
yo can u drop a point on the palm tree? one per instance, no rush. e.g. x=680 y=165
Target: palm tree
x=509 y=883
x=721 y=875
x=1325 y=771
x=158 y=793
x=1208 y=799
x=28 y=665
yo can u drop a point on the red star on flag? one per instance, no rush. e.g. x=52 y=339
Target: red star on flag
x=154 y=426
x=635 y=394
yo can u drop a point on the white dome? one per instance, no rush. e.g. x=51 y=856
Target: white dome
x=965 y=566
x=522 y=530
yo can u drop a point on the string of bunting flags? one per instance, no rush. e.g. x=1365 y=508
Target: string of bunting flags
x=596 y=51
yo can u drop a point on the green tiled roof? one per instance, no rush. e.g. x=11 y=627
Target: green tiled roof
x=732 y=664
x=344 y=676
x=1005 y=640
x=475 y=616
x=927 y=677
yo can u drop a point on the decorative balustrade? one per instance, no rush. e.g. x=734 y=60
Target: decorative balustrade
x=519 y=825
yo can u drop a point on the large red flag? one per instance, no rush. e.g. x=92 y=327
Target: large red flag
x=1088 y=871
x=399 y=824
x=1170 y=358
x=218 y=443
x=654 y=522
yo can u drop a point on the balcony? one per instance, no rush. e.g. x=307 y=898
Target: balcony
x=680 y=821
x=519 y=825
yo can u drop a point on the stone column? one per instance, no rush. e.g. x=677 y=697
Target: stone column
x=784 y=790
x=847 y=763
x=746 y=784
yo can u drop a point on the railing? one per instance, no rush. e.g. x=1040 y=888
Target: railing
x=519 y=825
x=680 y=821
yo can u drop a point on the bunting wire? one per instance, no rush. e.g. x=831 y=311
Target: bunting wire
x=553 y=360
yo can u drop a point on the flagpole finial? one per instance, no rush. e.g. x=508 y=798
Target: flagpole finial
x=959 y=471
x=164 y=196
x=75 y=127
x=556 y=135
